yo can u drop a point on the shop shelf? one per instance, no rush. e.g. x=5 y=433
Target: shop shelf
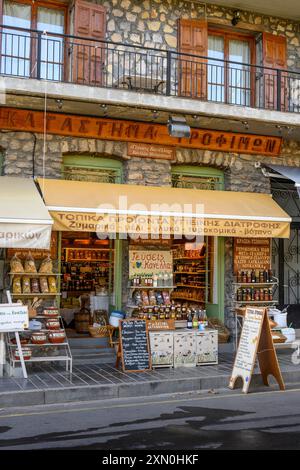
x=36 y=295
x=188 y=299
x=35 y=274
x=256 y=302
x=189 y=286
x=202 y=271
x=189 y=259
x=152 y=288
x=256 y=284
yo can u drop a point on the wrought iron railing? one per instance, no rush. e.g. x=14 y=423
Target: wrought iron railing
x=72 y=59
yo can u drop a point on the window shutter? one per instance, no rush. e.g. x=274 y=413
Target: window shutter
x=275 y=56
x=88 y=60
x=193 y=39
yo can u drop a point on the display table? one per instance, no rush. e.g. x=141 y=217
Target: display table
x=184 y=348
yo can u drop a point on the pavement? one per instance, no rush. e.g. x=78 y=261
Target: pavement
x=220 y=420
x=50 y=384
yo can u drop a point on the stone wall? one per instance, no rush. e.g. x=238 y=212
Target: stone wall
x=23 y=157
x=153 y=23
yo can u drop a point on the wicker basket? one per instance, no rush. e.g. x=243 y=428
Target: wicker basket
x=99 y=331
x=223 y=332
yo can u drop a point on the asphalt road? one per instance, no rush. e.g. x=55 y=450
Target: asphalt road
x=226 y=420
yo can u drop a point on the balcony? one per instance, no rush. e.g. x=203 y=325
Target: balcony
x=156 y=75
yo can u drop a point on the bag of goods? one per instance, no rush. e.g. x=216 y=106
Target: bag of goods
x=29 y=265
x=16 y=265
x=17 y=289
x=44 y=285
x=35 y=286
x=137 y=298
x=52 y=284
x=152 y=298
x=46 y=266
x=166 y=297
x=145 y=298
x=26 y=285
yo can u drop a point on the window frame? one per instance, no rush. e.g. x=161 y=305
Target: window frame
x=52 y=5
x=227 y=36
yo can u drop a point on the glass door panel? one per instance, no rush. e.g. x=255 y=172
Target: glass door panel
x=16 y=45
x=239 y=73
x=52 y=47
x=216 y=70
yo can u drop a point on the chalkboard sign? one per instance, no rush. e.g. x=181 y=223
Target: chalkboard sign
x=134 y=345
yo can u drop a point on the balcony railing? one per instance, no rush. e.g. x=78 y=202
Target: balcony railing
x=64 y=58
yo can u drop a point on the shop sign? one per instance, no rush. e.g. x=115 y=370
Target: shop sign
x=26 y=236
x=37 y=254
x=150 y=151
x=136 y=226
x=132 y=131
x=134 y=346
x=251 y=253
x=13 y=318
x=143 y=262
x=161 y=325
x=255 y=341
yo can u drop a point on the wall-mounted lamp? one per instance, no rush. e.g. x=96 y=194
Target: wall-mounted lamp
x=103 y=108
x=59 y=103
x=236 y=17
x=245 y=124
x=155 y=114
x=178 y=127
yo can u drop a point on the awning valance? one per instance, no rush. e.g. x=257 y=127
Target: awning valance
x=119 y=208
x=24 y=220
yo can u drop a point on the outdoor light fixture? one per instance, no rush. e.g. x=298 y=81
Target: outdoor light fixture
x=59 y=104
x=236 y=17
x=155 y=113
x=178 y=127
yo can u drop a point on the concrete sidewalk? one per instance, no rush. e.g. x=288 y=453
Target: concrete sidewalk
x=48 y=384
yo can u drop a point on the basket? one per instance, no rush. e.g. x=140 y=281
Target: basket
x=223 y=332
x=99 y=331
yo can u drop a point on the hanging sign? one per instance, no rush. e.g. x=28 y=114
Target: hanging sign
x=143 y=262
x=255 y=341
x=251 y=253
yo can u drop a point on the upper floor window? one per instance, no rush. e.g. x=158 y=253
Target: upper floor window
x=22 y=53
x=229 y=76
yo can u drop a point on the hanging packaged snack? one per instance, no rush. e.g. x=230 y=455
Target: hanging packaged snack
x=29 y=265
x=26 y=285
x=152 y=298
x=35 y=285
x=166 y=297
x=145 y=298
x=16 y=265
x=52 y=284
x=46 y=266
x=17 y=289
x=44 y=285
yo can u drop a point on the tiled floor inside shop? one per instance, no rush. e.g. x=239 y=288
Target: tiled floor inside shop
x=45 y=377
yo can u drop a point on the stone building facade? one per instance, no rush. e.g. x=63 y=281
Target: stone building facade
x=27 y=154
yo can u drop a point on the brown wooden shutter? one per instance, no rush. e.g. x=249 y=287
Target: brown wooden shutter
x=88 y=58
x=193 y=39
x=275 y=57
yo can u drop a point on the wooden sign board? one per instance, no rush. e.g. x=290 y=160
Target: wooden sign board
x=255 y=341
x=151 y=262
x=131 y=131
x=134 y=346
x=161 y=325
x=36 y=253
x=251 y=253
x=150 y=151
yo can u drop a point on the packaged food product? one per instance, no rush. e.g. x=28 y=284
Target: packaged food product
x=166 y=297
x=17 y=289
x=35 y=285
x=26 y=285
x=152 y=298
x=29 y=265
x=52 y=284
x=16 y=265
x=46 y=266
x=145 y=298
x=44 y=285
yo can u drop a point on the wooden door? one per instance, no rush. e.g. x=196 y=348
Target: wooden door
x=192 y=39
x=88 y=56
x=274 y=56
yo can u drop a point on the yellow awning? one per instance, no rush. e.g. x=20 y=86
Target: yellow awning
x=119 y=208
